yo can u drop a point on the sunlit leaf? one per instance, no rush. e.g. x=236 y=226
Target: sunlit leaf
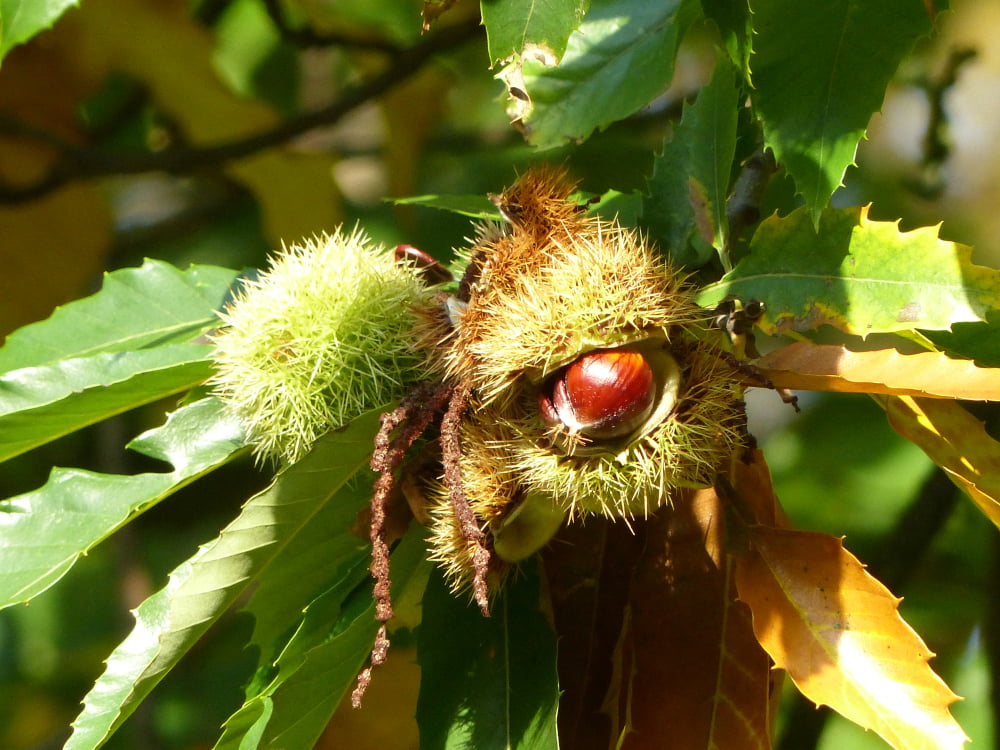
x=620 y=58
x=487 y=682
x=511 y=26
x=170 y=621
x=820 y=71
x=40 y=404
x=120 y=348
x=45 y=532
x=815 y=367
x=956 y=441
x=475 y=206
x=137 y=308
x=837 y=632
x=858 y=275
x=22 y=19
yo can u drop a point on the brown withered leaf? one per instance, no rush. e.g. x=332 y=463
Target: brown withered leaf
x=433 y=9
x=815 y=367
x=956 y=441
x=837 y=632
x=689 y=673
x=588 y=568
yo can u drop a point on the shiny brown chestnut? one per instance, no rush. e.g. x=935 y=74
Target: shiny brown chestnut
x=605 y=394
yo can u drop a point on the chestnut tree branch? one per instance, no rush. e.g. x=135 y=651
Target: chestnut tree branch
x=81 y=162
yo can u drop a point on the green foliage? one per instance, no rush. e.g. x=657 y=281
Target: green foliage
x=589 y=84
x=510 y=26
x=20 y=20
x=51 y=528
x=496 y=686
x=201 y=589
x=686 y=206
x=620 y=58
x=858 y=275
x=819 y=73
x=129 y=345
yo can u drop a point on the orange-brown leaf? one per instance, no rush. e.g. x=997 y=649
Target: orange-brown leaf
x=956 y=441
x=837 y=632
x=814 y=367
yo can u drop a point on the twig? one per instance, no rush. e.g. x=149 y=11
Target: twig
x=78 y=163
x=308 y=37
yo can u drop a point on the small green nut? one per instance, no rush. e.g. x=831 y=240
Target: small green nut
x=321 y=337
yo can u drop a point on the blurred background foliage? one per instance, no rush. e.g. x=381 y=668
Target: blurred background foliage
x=115 y=82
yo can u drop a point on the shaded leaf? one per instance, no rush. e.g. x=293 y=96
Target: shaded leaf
x=734 y=21
x=814 y=367
x=620 y=58
x=588 y=569
x=820 y=72
x=22 y=19
x=979 y=342
x=689 y=673
x=956 y=441
x=487 y=682
x=43 y=533
x=837 y=632
x=858 y=275
x=513 y=25
x=322 y=659
x=198 y=592
x=685 y=211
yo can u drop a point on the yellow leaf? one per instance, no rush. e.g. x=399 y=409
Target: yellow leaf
x=837 y=632
x=813 y=367
x=956 y=441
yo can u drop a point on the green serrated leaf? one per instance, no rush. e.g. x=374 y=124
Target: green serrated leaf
x=858 y=275
x=474 y=206
x=201 y=589
x=153 y=305
x=614 y=205
x=979 y=342
x=620 y=58
x=304 y=569
x=329 y=648
x=22 y=19
x=685 y=210
x=43 y=533
x=40 y=404
x=488 y=683
x=515 y=24
x=125 y=346
x=734 y=21
x=820 y=71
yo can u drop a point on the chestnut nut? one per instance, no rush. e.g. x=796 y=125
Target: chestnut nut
x=604 y=394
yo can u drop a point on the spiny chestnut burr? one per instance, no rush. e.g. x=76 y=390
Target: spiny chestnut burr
x=605 y=394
